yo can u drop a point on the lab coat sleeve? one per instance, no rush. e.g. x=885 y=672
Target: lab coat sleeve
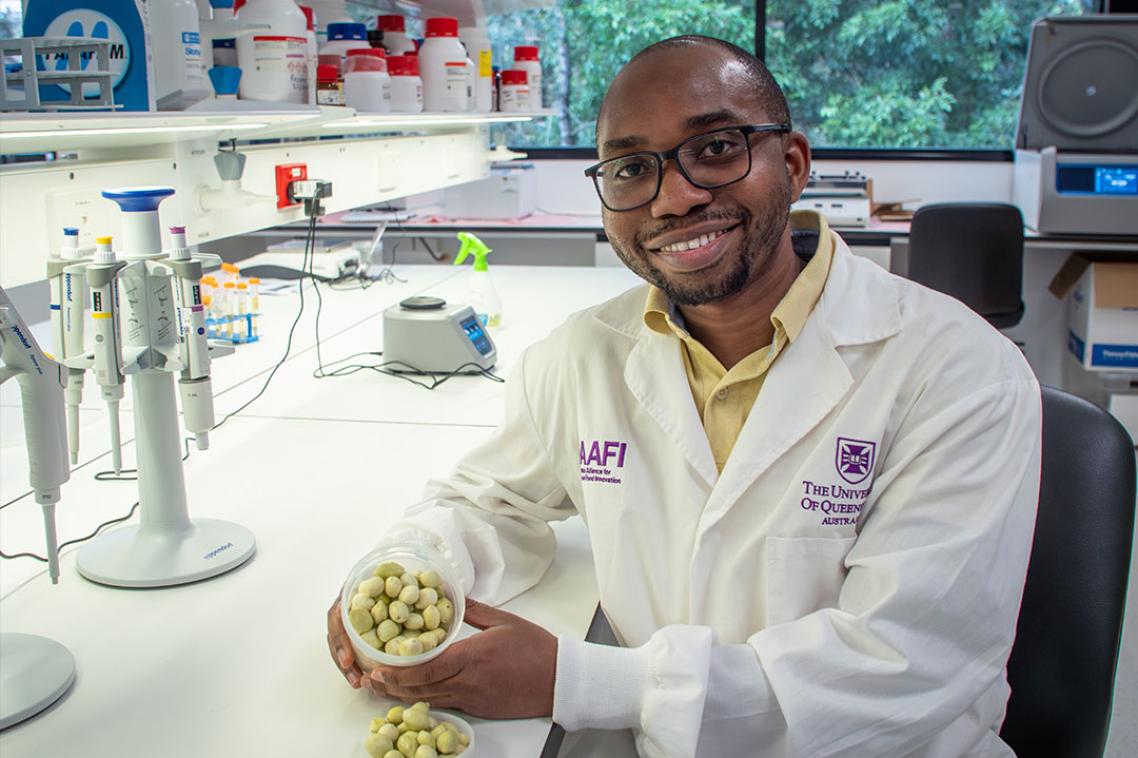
x=490 y=515
x=922 y=631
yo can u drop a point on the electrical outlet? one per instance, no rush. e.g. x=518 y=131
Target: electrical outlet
x=286 y=174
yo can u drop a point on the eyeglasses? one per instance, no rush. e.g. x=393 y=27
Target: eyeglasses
x=709 y=161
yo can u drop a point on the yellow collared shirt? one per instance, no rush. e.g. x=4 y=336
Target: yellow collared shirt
x=724 y=397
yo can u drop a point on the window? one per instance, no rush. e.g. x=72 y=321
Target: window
x=585 y=42
x=858 y=73
x=905 y=73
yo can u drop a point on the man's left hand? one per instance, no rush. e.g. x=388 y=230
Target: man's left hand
x=505 y=672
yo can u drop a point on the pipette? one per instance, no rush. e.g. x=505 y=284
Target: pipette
x=41 y=388
x=104 y=316
x=68 y=294
x=194 y=385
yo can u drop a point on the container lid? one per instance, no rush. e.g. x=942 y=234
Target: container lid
x=515 y=76
x=403 y=65
x=326 y=72
x=71 y=231
x=391 y=23
x=103 y=240
x=374 y=52
x=177 y=230
x=525 y=53
x=309 y=16
x=346 y=31
x=220 y=3
x=229 y=285
x=442 y=26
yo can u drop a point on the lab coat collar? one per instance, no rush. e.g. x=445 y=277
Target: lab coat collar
x=860 y=303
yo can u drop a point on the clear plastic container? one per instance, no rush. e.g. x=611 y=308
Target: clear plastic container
x=441 y=715
x=415 y=557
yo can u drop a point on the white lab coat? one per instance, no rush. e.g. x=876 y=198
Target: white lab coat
x=848 y=585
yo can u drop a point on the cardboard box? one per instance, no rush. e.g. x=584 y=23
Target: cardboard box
x=1103 y=316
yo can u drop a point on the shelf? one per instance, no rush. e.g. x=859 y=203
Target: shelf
x=35 y=132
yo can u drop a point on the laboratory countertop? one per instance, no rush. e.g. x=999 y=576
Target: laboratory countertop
x=877 y=232
x=238 y=665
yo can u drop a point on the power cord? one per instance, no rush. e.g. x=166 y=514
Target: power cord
x=411 y=373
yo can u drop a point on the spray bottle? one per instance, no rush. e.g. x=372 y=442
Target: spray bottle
x=483 y=297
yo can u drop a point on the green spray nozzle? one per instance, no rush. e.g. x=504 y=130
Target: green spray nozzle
x=471 y=245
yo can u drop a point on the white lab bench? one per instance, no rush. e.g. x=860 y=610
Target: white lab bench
x=238 y=665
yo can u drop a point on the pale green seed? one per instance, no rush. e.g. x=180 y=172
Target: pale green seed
x=370 y=638
x=392 y=586
x=407 y=744
x=411 y=647
x=430 y=579
x=431 y=617
x=395 y=715
x=362 y=600
x=391 y=647
x=422 y=705
x=378 y=612
x=425 y=738
x=390 y=731
x=377 y=745
x=409 y=594
x=414 y=622
x=393 y=754
x=385 y=570
x=446 y=742
x=426 y=751
x=409 y=580
x=417 y=718
x=398 y=611
x=462 y=738
x=372 y=586
x=428 y=640
x=360 y=620
x=446 y=611
x=427 y=597
x=388 y=630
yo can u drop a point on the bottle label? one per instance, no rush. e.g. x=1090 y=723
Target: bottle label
x=192 y=52
x=330 y=96
x=485 y=70
x=457 y=85
x=284 y=57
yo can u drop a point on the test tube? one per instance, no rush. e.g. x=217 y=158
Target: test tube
x=229 y=307
x=243 y=331
x=254 y=302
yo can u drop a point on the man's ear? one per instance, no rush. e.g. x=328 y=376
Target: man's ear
x=796 y=149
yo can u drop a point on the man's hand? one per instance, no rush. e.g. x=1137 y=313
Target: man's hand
x=341 y=647
x=504 y=672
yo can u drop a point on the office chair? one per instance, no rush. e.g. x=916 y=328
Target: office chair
x=973 y=252
x=1063 y=661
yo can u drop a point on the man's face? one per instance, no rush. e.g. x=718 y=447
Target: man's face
x=654 y=104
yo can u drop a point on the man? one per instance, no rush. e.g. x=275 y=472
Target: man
x=810 y=486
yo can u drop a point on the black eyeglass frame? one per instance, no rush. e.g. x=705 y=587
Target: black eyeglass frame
x=674 y=154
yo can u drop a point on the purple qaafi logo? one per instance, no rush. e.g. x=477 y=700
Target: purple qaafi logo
x=854 y=459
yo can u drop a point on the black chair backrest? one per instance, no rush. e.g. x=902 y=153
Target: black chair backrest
x=973 y=252
x=1062 y=665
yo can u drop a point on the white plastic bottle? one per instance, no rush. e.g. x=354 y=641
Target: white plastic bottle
x=219 y=35
x=272 y=50
x=367 y=86
x=176 y=31
x=343 y=37
x=527 y=59
x=395 y=37
x=406 y=86
x=311 y=50
x=477 y=43
x=515 y=92
x=442 y=66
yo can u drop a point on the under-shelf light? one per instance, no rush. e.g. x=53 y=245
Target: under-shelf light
x=425 y=121
x=132 y=130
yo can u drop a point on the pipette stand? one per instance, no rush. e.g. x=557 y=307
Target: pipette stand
x=34 y=673
x=167 y=547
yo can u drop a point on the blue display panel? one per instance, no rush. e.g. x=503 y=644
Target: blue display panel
x=1109 y=181
x=1121 y=180
x=476 y=335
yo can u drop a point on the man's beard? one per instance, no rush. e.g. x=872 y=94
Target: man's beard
x=701 y=287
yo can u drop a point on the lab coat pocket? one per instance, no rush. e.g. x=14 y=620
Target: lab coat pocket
x=803 y=575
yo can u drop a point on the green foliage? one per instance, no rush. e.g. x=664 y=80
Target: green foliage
x=857 y=73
